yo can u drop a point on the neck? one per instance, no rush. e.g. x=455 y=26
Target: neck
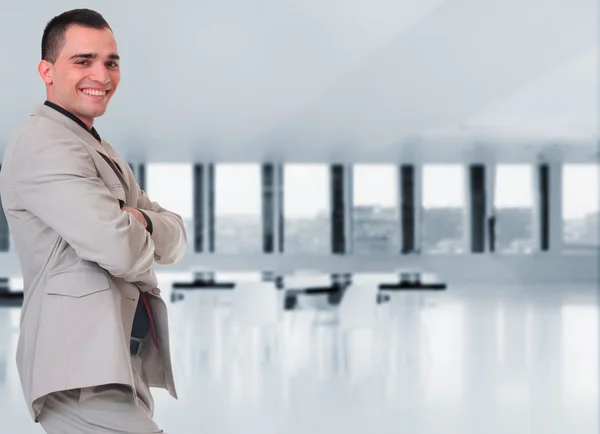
x=88 y=122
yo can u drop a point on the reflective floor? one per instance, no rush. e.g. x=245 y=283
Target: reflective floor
x=467 y=360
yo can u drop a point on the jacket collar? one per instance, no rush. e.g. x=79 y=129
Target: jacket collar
x=65 y=118
x=75 y=119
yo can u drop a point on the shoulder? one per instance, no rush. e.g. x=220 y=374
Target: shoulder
x=43 y=145
x=39 y=133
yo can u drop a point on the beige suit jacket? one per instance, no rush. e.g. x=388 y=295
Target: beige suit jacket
x=83 y=259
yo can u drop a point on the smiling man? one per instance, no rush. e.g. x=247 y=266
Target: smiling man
x=94 y=328
x=80 y=66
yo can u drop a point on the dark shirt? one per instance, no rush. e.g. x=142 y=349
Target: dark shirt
x=74 y=118
x=141 y=320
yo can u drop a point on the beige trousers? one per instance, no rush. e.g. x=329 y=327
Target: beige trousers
x=109 y=408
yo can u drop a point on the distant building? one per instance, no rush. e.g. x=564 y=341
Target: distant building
x=514 y=230
x=443 y=230
x=582 y=231
x=308 y=235
x=375 y=229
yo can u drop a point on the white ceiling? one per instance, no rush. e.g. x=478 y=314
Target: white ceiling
x=291 y=79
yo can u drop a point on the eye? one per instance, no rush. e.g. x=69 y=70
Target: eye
x=113 y=64
x=82 y=62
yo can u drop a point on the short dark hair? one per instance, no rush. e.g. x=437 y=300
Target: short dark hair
x=53 y=38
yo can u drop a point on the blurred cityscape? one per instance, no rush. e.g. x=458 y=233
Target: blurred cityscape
x=376 y=230
x=582 y=231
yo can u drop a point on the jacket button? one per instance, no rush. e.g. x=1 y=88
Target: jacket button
x=156 y=291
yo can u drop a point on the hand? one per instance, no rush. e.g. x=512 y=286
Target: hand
x=138 y=215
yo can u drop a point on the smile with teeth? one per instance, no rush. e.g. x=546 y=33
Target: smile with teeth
x=93 y=92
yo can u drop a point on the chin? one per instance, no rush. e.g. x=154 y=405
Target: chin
x=95 y=112
x=98 y=113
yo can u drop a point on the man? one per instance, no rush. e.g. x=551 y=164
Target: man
x=94 y=333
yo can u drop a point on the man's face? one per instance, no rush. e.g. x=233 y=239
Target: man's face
x=86 y=72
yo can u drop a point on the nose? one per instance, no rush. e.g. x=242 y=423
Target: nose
x=100 y=74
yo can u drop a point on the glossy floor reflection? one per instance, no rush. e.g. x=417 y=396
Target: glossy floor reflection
x=468 y=360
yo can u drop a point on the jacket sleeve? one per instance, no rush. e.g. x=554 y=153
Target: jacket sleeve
x=167 y=228
x=60 y=186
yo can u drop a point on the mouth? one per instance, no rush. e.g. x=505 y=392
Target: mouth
x=96 y=94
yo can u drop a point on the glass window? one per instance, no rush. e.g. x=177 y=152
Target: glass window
x=171 y=186
x=238 y=217
x=307 y=208
x=375 y=220
x=443 y=209
x=580 y=196
x=514 y=208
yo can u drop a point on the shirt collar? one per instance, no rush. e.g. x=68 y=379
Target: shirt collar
x=74 y=118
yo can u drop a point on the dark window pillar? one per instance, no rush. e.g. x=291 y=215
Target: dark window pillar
x=338 y=212
x=272 y=208
x=4 y=232
x=408 y=208
x=139 y=171
x=141 y=176
x=210 y=206
x=477 y=204
x=279 y=206
x=203 y=208
x=543 y=197
x=268 y=208
x=199 y=196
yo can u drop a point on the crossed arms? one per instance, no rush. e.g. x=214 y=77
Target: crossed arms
x=60 y=186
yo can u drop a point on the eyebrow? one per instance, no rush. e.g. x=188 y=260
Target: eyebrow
x=93 y=56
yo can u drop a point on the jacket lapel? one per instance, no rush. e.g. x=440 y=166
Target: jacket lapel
x=116 y=168
x=83 y=134
x=50 y=113
x=117 y=164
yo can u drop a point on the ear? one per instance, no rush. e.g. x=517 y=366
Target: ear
x=45 y=70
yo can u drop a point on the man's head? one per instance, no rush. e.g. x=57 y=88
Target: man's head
x=80 y=63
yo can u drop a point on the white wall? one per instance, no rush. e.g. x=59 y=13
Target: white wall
x=232 y=78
